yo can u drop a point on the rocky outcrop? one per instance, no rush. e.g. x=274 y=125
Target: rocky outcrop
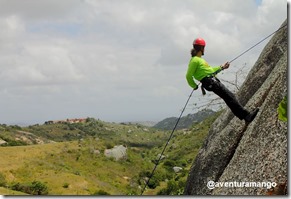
x=2 y=142
x=177 y=169
x=117 y=152
x=257 y=152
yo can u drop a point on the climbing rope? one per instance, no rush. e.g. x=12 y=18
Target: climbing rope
x=257 y=43
x=161 y=155
x=172 y=133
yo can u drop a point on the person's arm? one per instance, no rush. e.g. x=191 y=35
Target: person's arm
x=190 y=74
x=220 y=68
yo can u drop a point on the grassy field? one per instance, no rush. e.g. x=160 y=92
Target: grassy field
x=67 y=168
x=73 y=167
x=9 y=192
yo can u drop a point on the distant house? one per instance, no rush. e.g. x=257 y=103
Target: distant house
x=49 y=122
x=67 y=121
x=80 y=120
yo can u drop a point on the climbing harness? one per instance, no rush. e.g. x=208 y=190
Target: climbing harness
x=172 y=133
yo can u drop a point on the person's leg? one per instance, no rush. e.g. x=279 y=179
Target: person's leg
x=212 y=84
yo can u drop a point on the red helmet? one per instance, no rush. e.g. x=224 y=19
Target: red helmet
x=199 y=41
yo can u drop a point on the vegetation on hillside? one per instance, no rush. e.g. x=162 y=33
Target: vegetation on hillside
x=283 y=110
x=185 y=121
x=72 y=160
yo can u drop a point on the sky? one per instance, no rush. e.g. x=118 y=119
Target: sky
x=120 y=61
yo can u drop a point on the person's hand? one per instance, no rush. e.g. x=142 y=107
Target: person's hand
x=225 y=66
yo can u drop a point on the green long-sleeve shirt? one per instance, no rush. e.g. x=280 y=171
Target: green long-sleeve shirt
x=198 y=68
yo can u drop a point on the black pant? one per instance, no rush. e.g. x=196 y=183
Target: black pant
x=213 y=84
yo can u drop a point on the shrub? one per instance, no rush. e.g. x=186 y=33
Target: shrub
x=282 y=110
x=153 y=183
x=101 y=192
x=34 y=188
x=173 y=188
x=38 y=188
x=169 y=164
x=77 y=173
x=2 y=180
x=109 y=145
x=66 y=185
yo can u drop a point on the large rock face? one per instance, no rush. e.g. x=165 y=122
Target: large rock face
x=237 y=152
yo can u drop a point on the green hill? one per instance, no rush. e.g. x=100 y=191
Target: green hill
x=185 y=121
x=70 y=160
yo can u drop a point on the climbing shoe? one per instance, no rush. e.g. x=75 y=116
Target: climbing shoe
x=250 y=117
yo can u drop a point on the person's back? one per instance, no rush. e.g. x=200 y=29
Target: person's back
x=199 y=69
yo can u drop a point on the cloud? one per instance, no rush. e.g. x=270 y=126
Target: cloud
x=118 y=60
x=41 y=9
x=40 y=64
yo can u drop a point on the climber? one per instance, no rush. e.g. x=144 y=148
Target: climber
x=199 y=69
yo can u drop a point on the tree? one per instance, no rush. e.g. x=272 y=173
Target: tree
x=34 y=188
x=38 y=188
